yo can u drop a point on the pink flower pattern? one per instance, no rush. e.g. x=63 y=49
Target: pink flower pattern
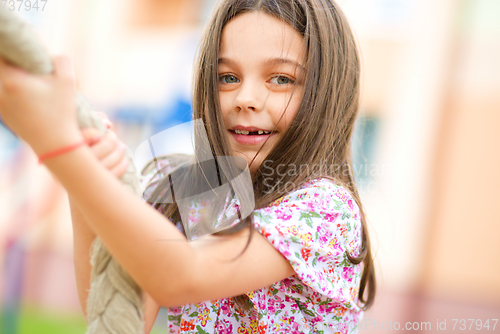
x=313 y=228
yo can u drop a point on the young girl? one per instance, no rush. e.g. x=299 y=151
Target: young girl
x=277 y=84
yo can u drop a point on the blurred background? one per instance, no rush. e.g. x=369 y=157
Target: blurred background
x=426 y=150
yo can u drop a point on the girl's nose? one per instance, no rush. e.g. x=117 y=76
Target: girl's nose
x=249 y=97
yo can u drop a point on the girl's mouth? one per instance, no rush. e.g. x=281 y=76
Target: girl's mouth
x=251 y=137
x=251 y=133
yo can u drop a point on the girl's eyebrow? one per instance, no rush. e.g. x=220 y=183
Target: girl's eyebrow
x=223 y=60
x=272 y=61
x=279 y=61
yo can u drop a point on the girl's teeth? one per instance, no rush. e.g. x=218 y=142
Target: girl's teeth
x=243 y=132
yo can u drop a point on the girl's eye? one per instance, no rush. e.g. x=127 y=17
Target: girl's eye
x=228 y=79
x=282 y=80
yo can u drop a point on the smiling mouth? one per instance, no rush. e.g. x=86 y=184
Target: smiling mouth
x=252 y=133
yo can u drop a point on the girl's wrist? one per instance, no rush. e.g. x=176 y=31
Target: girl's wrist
x=62 y=150
x=49 y=144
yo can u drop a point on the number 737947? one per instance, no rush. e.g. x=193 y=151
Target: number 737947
x=13 y=5
x=466 y=324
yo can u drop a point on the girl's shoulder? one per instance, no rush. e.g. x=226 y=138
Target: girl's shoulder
x=315 y=227
x=316 y=209
x=320 y=193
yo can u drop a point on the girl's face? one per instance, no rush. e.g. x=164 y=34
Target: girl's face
x=260 y=62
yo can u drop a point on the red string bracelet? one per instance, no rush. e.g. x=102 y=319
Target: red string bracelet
x=61 y=151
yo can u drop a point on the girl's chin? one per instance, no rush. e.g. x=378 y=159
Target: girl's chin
x=248 y=158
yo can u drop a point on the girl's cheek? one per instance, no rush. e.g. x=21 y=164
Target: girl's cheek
x=286 y=119
x=225 y=100
x=291 y=110
x=226 y=107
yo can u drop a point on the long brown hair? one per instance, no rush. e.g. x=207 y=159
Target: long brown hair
x=319 y=135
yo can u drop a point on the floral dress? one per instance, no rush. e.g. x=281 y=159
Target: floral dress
x=313 y=228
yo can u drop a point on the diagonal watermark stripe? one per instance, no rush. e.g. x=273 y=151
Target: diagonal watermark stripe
x=211 y=193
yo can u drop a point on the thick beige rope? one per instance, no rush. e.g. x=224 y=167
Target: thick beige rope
x=115 y=302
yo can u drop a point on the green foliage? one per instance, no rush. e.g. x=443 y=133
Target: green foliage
x=34 y=320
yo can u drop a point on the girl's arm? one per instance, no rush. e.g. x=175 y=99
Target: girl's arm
x=155 y=254
x=111 y=156
x=82 y=239
x=152 y=250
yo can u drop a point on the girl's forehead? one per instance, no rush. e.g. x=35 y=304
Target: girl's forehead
x=259 y=34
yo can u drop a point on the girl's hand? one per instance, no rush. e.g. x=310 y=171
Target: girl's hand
x=41 y=109
x=108 y=149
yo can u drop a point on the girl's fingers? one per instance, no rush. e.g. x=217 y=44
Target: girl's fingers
x=100 y=145
x=108 y=149
x=91 y=135
x=47 y=102
x=114 y=158
x=104 y=118
x=120 y=169
x=104 y=147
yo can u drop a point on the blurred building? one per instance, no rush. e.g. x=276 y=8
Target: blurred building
x=431 y=106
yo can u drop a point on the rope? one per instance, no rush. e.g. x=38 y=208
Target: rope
x=115 y=301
